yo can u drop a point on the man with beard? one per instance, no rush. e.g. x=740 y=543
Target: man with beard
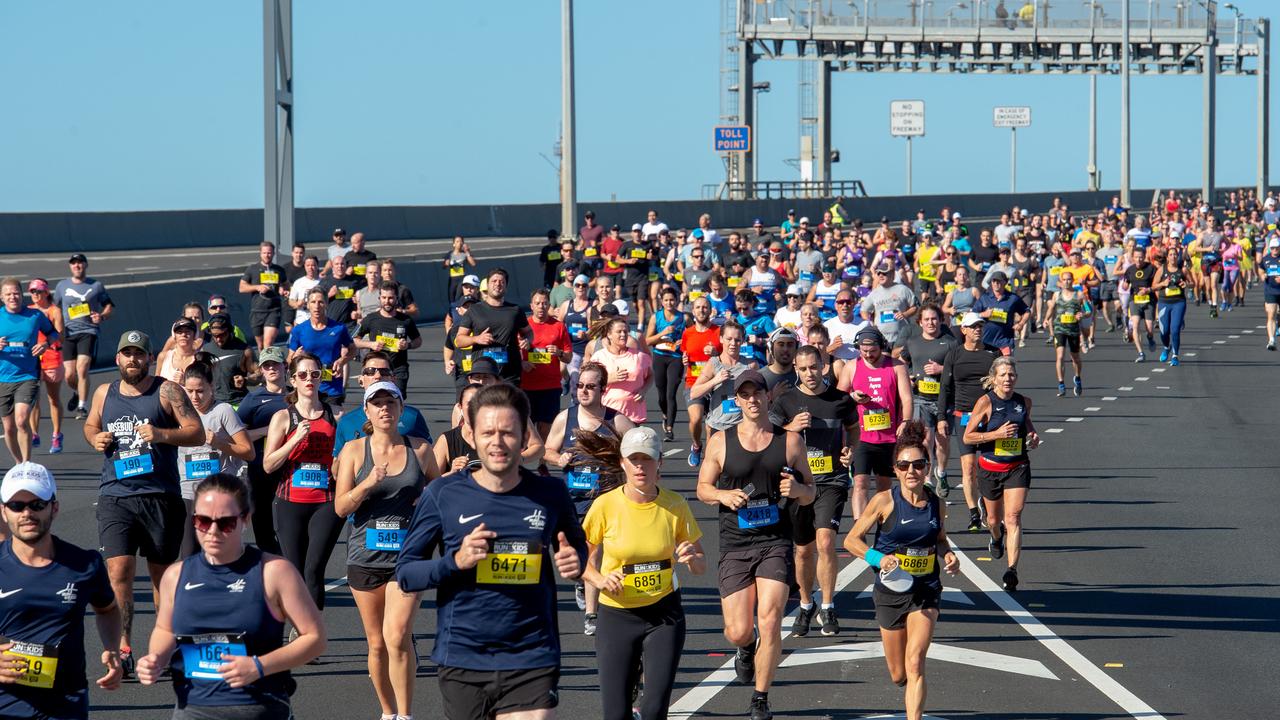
x=392 y=332
x=233 y=361
x=47 y=621
x=496 y=329
x=137 y=423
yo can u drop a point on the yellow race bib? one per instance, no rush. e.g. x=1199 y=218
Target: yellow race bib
x=269 y=278
x=456 y=271
x=639 y=254
x=929 y=387
x=390 y=342
x=358 y=270
x=42 y=663
x=344 y=293
x=819 y=463
x=875 y=420
x=695 y=369
x=948 y=287
x=732 y=281
x=1000 y=316
x=1008 y=447
x=326 y=374
x=466 y=363
x=77 y=311
x=540 y=357
x=1172 y=291
x=511 y=562
x=590 y=252
x=1142 y=299
x=554 y=256
x=917 y=561
x=695 y=294
x=1067 y=318
x=642 y=581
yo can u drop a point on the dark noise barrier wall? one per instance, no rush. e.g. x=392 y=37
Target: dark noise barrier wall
x=101 y=231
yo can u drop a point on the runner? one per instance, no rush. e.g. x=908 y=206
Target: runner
x=924 y=353
x=265 y=282
x=780 y=374
x=751 y=473
x=541 y=377
x=827 y=420
x=630 y=371
x=52 y=373
x=85 y=305
x=890 y=304
x=963 y=369
x=300 y=287
x=368 y=298
x=756 y=324
x=698 y=343
x=716 y=380
x=880 y=386
x=1171 y=287
x=456 y=262
x=138 y=423
x=502 y=528
x=404 y=298
x=21 y=345
x=1000 y=428
x=1140 y=275
x=255 y=412
x=43 y=665
x=232 y=360
x=908 y=587
x=328 y=342
x=181 y=353
x=497 y=329
x=665 y=329
x=1005 y=314
x=1068 y=310
x=640 y=529
x=391 y=331
x=297 y=263
x=379 y=479
x=299 y=454
x=221 y=616
x=454 y=450
x=843 y=328
x=358 y=257
x=960 y=298
x=339 y=288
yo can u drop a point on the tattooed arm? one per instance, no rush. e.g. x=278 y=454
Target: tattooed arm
x=190 y=431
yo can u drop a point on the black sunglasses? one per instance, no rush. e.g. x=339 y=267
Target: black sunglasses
x=917 y=465
x=225 y=524
x=371 y=371
x=18 y=506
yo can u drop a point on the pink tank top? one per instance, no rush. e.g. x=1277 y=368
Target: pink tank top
x=878 y=419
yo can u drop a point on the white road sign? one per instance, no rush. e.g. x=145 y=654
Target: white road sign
x=1012 y=117
x=906 y=118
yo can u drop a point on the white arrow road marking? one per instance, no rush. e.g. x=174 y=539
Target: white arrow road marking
x=937 y=651
x=671 y=452
x=954 y=595
x=1056 y=645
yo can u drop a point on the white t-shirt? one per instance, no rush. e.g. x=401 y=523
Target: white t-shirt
x=787 y=318
x=298 y=291
x=654 y=228
x=846 y=332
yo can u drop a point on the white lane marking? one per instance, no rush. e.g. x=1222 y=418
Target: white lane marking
x=335 y=584
x=1125 y=388
x=166 y=281
x=1092 y=409
x=1247 y=332
x=1075 y=419
x=720 y=678
x=1162 y=387
x=1144 y=378
x=1109 y=398
x=1261 y=327
x=1190 y=354
x=1056 y=645
x=1154 y=370
x=144 y=267
x=1233 y=337
x=1219 y=342
x=954 y=595
x=1053 y=430
x=672 y=451
x=937 y=651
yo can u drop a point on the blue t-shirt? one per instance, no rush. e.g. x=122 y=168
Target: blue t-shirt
x=255 y=411
x=351 y=426
x=78 y=301
x=757 y=326
x=22 y=331
x=325 y=344
x=997 y=331
x=962 y=246
x=45 y=606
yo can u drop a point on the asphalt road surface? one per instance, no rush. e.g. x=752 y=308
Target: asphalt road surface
x=1148 y=577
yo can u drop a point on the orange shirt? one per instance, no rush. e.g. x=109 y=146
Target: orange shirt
x=52 y=358
x=693 y=343
x=1080 y=275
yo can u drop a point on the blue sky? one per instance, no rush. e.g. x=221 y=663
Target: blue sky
x=158 y=105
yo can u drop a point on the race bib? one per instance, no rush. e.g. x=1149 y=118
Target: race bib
x=310 y=476
x=590 y=252
x=1008 y=447
x=268 y=278
x=917 y=561
x=77 y=311
x=653 y=276
x=577 y=331
x=385 y=535
x=806 y=276
x=203 y=654
x=757 y=514
x=456 y=271
x=390 y=342
x=730 y=407
x=358 y=270
x=326 y=374
x=875 y=420
x=1055 y=270
x=498 y=355
x=641 y=581
x=732 y=282
x=887 y=317
x=1142 y=299
x=201 y=465
x=820 y=463
x=554 y=255
x=1067 y=318
x=344 y=293
x=540 y=357
x=42 y=663
x=679 y=277
x=466 y=363
x=1000 y=316
x=131 y=463
x=948 y=287
x=928 y=387
x=1172 y=291
x=695 y=370
x=581 y=480
x=511 y=562
x=639 y=254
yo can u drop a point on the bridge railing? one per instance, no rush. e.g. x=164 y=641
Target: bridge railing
x=783 y=189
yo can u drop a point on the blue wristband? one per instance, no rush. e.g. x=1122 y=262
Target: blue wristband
x=873 y=558
x=258 y=664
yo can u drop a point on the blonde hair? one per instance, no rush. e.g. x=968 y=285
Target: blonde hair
x=989 y=381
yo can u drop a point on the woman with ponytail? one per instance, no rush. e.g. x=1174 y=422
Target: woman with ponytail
x=911 y=538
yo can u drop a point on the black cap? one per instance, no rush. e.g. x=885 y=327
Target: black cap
x=589 y=214
x=219 y=319
x=78 y=257
x=614 y=227
x=483 y=366
x=184 y=324
x=998 y=278
x=339 y=231
x=750 y=376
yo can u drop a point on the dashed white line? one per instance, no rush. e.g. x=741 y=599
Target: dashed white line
x=1162 y=387
x=1125 y=388
x=1247 y=332
x=1075 y=419
x=1053 y=430
x=1092 y=409
x=1233 y=337
x=672 y=451
x=1158 y=369
x=1144 y=378
x=1189 y=354
x=1109 y=398
x=1219 y=342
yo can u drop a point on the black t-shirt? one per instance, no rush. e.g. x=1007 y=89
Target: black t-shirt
x=830 y=411
x=356 y=261
x=637 y=251
x=918 y=352
x=983 y=257
x=387 y=330
x=405 y=297
x=229 y=384
x=273 y=276
x=505 y=323
x=1140 y=278
x=293 y=272
x=549 y=257
x=773 y=380
x=343 y=302
x=741 y=257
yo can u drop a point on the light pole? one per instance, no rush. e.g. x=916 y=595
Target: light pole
x=1235 y=30
x=568 y=142
x=951 y=12
x=1124 y=106
x=757 y=88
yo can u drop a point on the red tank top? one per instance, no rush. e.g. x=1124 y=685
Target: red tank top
x=305 y=476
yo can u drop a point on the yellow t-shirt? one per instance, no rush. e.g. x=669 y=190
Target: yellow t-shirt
x=924 y=262
x=641 y=539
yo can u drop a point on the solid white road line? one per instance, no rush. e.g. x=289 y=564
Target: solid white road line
x=335 y=584
x=1053 y=430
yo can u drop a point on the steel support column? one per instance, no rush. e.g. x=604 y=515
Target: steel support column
x=1210 y=122
x=746 y=111
x=277 y=87
x=1092 y=167
x=1124 y=105
x=1264 y=106
x=822 y=133
x=568 y=141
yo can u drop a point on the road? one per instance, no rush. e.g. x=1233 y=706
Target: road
x=1147 y=589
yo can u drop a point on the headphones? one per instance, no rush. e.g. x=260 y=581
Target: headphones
x=874 y=333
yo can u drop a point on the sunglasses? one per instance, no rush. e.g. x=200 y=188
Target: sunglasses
x=225 y=524
x=371 y=371
x=305 y=374
x=18 y=506
x=917 y=465
x=218 y=307
x=846 y=301
x=588 y=386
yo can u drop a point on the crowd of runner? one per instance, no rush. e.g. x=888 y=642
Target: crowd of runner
x=817 y=363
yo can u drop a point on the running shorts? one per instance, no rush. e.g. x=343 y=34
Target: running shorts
x=926 y=411
x=740 y=568
x=261 y=319
x=151 y=525
x=992 y=483
x=544 y=405
x=22 y=392
x=1070 y=342
x=483 y=694
x=368 y=579
x=893 y=608
x=80 y=344
x=873 y=459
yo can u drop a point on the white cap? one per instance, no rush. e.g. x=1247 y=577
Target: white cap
x=794 y=289
x=804 y=219
x=385 y=386
x=637 y=226
x=29 y=476
x=643 y=440
x=970 y=319
x=582 y=280
x=1269 y=202
x=1273 y=242
x=955 y=216
x=471 y=280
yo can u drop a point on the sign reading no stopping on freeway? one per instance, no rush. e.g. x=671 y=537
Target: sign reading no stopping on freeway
x=906 y=118
x=1012 y=117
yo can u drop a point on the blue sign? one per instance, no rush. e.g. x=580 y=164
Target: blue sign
x=732 y=138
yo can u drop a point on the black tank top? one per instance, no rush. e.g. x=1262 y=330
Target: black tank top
x=575 y=323
x=1006 y=450
x=458 y=446
x=135 y=466
x=760 y=523
x=584 y=479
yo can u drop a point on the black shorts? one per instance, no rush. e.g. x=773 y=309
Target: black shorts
x=740 y=568
x=827 y=509
x=544 y=405
x=367 y=579
x=893 y=608
x=992 y=484
x=22 y=392
x=957 y=431
x=150 y=525
x=1147 y=310
x=637 y=289
x=80 y=344
x=703 y=402
x=1070 y=342
x=873 y=459
x=482 y=694
x=260 y=319
x=1271 y=298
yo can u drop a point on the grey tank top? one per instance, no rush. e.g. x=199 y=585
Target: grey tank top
x=962 y=301
x=379 y=524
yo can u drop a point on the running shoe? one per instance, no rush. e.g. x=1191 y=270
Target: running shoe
x=1077 y=387
x=944 y=488
x=589 y=624
x=55 y=445
x=1048 y=340
x=996 y=547
x=804 y=618
x=669 y=434
x=1271 y=345
x=1062 y=389
x=695 y=456
x=1151 y=343
x=1092 y=344
x=74 y=401
x=760 y=709
x=81 y=412
x=975 y=521
x=744 y=664
x=1022 y=342
x=128 y=665
x=1213 y=312
x=1142 y=357
x=830 y=625
x=1174 y=361
x=35 y=440
x=1164 y=355
x=580 y=596
x=1010 y=580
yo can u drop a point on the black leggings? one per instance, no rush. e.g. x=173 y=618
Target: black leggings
x=262 y=489
x=308 y=532
x=668 y=374
x=654 y=634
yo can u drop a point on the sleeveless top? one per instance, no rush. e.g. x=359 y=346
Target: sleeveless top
x=168 y=370
x=1172 y=294
x=1064 y=315
x=1003 y=454
x=575 y=322
x=660 y=323
x=760 y=523
x=826 y=294
x=911 y=534
x=457 y=445
x=380 y=522
x=222 y=610
x=853 y=264
x=583 y=480
x=305 y=477
x=877 y=419
x=723 y=412
x=962 y=300
x=135 y=466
